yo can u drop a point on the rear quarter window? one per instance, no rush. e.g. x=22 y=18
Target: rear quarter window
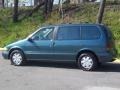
x=90 y=32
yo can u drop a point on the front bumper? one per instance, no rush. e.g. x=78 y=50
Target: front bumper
x=5 y=54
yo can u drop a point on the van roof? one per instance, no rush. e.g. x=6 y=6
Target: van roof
x=82 y=24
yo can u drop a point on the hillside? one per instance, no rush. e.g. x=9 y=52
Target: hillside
x=10 y=32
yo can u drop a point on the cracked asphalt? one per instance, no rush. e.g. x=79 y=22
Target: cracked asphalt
x=57 y=76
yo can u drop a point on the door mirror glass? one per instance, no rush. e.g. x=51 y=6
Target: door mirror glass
x=35 y=38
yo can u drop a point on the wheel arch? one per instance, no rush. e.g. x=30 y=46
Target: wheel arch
x=14 y=48
x=86 y=51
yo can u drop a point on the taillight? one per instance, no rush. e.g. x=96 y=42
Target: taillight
x=109 y=46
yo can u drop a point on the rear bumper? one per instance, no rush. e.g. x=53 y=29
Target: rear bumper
x=106 y=57
x=5 y=54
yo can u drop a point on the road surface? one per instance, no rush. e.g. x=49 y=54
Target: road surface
x=57 y=76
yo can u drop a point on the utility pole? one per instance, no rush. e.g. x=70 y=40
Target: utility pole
x=101 y=11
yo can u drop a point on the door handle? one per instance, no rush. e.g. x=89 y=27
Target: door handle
x=52 y=43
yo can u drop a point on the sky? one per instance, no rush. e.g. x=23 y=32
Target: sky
x=55 y=1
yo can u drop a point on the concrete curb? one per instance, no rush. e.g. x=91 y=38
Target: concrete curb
x=117 y=60
x=1 y=49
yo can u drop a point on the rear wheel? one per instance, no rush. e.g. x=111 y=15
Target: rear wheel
x=87 y=62
x=17 y=58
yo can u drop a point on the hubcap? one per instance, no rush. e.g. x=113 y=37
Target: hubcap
x=17 y=58
x=87 y=62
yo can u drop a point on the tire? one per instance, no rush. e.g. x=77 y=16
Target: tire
x=17 y=58
x=87 y=62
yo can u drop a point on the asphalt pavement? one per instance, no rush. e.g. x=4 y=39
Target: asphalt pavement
x=57 y=76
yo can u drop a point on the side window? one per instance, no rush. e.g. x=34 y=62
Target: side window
x=68 y=33
x=44 y=34
x=90 y=32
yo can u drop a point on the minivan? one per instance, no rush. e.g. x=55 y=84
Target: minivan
x=86 y=44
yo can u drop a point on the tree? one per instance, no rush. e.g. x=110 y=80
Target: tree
x=36 y=8
x=115 y=1
x=15 y=13
x=39 y=4
x=46 y=8
x=101 y=11
x=3 y=3
x=61 y=8
x=50 y=4
x=35 y=2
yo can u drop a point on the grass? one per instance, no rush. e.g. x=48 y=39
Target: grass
x=10 y=32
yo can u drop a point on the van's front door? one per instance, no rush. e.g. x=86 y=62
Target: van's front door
x=40 y=46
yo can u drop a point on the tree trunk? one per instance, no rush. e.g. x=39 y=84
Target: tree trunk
x=30 y=13
x=36 y=2
x=15 y=13
x=46 y=8
x=61 y=8
x=40 y=1
x=101 y=11
x=36 y=8
x=50 y=4
x=115 y=1
x=3 y=4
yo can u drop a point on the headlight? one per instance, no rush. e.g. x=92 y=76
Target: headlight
x=3 y=49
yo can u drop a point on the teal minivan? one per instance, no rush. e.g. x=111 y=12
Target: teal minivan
x=86 y=44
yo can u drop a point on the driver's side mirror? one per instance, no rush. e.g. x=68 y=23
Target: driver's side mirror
x=33 y=38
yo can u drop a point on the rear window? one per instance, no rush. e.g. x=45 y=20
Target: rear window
x=90 y=32
x=68 y=33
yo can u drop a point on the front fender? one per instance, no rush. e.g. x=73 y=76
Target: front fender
x=14 y=48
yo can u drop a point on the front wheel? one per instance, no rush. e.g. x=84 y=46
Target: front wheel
x=17 y=58
x=87 y=62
